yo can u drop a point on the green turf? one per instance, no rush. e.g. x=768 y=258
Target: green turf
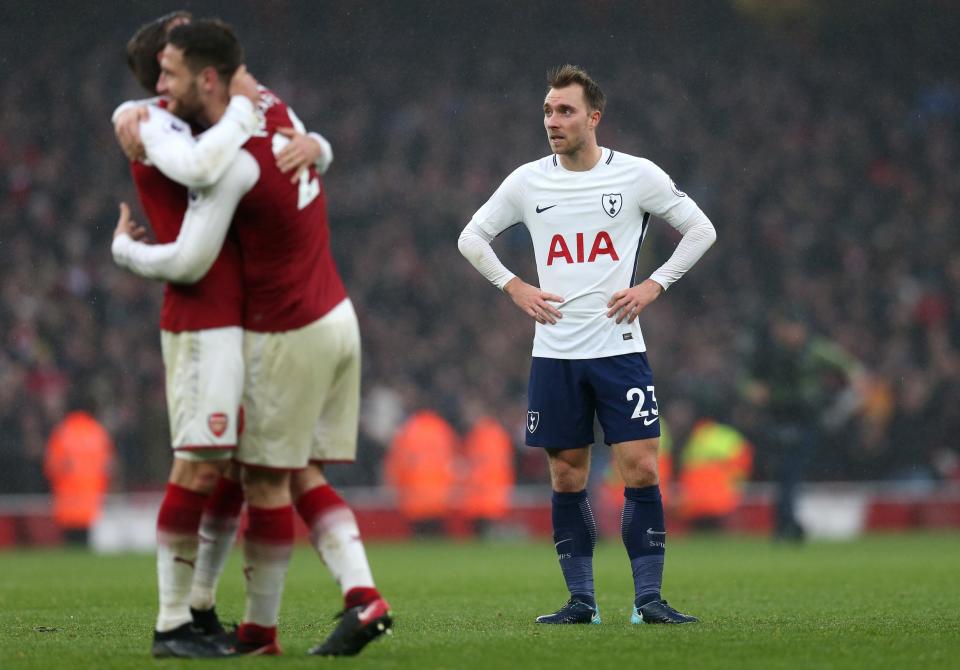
x=881 y=602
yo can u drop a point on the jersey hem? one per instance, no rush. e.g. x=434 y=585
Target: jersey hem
x=539 y=353
x=202 y=447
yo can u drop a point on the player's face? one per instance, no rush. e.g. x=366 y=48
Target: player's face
x=568 y=120
x=179 y=85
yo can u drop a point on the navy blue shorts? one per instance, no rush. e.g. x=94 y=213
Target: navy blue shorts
x=564 y=395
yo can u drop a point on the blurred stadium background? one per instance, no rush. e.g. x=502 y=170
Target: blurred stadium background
x=821 y=138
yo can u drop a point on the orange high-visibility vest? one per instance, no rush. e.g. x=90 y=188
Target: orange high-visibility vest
x=488 y=471
x=419 y=466
x=77 y=464
x=716 y=463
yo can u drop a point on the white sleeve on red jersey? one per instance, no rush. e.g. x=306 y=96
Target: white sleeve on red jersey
x=660 y=196
x=322 y=164
x=200 y=163
x=130 y=104
x=205 y=224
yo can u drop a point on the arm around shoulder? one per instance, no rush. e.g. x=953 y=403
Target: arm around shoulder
x=201 y=163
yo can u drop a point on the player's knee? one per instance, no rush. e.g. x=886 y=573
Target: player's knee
x=306 y=479
x=199 y=476
x=640 y=474
x=264 y=487
x=568 y=479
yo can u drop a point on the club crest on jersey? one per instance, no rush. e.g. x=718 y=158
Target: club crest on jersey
x=218 y=423
x=533 y=420
x=612 y=202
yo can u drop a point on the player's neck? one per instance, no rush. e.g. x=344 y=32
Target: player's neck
x=582 y=160
x=213 y=111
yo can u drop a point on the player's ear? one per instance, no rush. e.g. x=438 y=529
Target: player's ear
x=594 y=118
x=208 y=79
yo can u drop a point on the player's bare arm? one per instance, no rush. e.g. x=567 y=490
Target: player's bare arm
x=126 y=127
x=629 y=302
x=533 y=301
x=127 y=226
x=301 y=152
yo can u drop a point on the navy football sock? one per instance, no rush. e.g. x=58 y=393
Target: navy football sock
x=574 y=536
x=644 y=535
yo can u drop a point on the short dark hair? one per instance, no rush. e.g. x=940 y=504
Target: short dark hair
x=565 y=75
x=208 y=43
x=146 y=43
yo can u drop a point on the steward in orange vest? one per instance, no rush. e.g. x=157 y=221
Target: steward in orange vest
x=488 y=474
x=419 y=466
x=77 y=464
x=715 y=464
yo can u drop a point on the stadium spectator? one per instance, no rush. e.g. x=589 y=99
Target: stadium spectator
x=804 y=384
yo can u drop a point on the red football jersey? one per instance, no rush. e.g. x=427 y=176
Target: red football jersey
x=289 y=276
x=216 y=301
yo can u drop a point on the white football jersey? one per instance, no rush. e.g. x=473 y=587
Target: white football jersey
x=587 y=228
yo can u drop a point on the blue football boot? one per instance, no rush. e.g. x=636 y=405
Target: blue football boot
x=575 y=611
x=659 y=611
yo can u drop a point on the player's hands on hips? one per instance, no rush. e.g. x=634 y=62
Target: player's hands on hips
x=533 y=301
x=628 y=303
x=301 y=151
x=243 y=83
x=127 y=226
x=127 y=130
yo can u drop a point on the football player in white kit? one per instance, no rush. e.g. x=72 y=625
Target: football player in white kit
x=587 y=209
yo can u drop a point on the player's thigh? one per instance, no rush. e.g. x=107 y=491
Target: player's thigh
x=560 y=406
x=204 y=384
x=335 y=434
x=285 y=376
x=626 y=398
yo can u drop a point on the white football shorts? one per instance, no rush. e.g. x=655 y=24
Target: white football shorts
x=301 y=396
x=204 y=387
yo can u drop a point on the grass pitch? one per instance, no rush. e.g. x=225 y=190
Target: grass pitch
x=880 y=602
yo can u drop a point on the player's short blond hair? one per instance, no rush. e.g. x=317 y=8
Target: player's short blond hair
x=566 y=75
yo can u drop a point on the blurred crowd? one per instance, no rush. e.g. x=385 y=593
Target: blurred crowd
x=824 y=149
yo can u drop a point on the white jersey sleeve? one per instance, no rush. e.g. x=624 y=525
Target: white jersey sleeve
x=502 y=210
x=474 y=244
x=197 y=164
x=660 y=196
x=322 y=164
x=130 y=104
x=505 y=206
x=205 y=225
